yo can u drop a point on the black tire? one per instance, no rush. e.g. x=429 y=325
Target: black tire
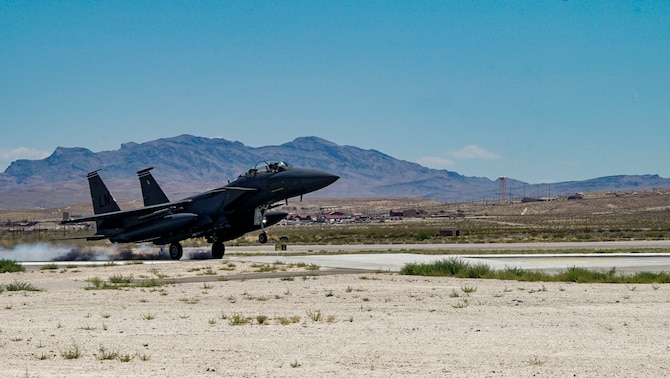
x=176 y=251
x=263 y=238
x=218 y=249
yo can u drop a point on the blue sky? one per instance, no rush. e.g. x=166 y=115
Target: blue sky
x=540 y=91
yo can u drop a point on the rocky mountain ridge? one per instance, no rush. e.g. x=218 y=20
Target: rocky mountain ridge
x=188 y=164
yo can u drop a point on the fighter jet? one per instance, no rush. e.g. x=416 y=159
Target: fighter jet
x=218 y=215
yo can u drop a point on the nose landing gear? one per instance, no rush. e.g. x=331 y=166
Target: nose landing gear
x=259 y=219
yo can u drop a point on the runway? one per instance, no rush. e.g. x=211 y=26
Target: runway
x=464 y=248
x=392 y=257
x=377 y=260
x=393 y=262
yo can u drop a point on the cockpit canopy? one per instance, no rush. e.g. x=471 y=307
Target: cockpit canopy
x=269 y=167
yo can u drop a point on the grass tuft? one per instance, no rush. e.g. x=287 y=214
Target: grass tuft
x=451 y=267
x=315 y=315
x=117 y=282
x=21 y=286
x=118 y=279
x=238 y=319
x=125 y=357
x=10 y=266
x=73 y=353
x=284 y=320
x=106 y=354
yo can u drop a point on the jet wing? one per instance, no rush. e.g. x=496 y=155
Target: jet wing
x=239 y=194
x=236 y=189
x=233 y=194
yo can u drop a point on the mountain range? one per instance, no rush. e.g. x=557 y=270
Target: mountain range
x=188 y=164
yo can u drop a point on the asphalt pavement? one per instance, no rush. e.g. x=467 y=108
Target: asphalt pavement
x=401 y=254
x=651 y=256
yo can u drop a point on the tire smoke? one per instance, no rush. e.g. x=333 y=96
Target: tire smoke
x=61 y=252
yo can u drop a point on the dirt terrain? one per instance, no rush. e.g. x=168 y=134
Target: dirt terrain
x=590 y=203
x=83 y=324
x=187 y=319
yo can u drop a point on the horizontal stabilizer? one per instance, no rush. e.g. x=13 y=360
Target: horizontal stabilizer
x=89 y=238
x=139 y=212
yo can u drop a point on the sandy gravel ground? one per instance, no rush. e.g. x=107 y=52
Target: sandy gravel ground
x=372 y=324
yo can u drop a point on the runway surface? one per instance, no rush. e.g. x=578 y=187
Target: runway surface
x=464 y=248
x=624 y=262
x=392 y=257
x=393 y=262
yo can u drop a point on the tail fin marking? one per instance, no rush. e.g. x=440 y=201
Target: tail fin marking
x=102 y=199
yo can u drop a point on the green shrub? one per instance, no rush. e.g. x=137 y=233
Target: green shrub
x=73 y=353
x=422 y=235
x=10 y=266
x=454 y=267
x=238 y=319
x=119 y=279
x=21 y=286
x=451 y=267
x=583 y=275
x=106 y=354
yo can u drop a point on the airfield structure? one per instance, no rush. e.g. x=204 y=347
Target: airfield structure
x=503 y=188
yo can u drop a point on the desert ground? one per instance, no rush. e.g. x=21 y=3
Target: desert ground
x=91 y=321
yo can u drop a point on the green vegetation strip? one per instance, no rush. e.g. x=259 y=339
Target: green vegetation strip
x=454 y=267
x=10 y=266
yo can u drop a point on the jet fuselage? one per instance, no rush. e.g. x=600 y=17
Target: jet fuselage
x=218 y=215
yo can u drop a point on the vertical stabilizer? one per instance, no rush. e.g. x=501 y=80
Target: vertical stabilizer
x=151 y=191
x=102 y=199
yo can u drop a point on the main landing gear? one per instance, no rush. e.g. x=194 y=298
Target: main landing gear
x=176 y=251
x=218 y=249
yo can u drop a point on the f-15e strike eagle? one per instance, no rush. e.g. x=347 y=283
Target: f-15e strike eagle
x=218 y=215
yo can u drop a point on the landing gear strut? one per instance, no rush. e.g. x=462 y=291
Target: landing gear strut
x=263 y=237
x=218 y=249
x=176 y=251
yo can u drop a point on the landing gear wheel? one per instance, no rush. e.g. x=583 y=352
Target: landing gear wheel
x=218 y=249
x=263 y=238
x=176 y=251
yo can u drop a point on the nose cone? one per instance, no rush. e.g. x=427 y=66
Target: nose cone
x=313 y=179
x=301 y=181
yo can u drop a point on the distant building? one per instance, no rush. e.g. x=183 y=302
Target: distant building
x=396 y=213
x=334 y=216
x=450 y=233
x=414 y=213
